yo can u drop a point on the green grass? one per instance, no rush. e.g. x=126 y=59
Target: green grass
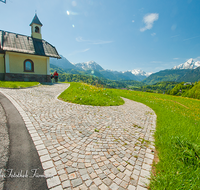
x=16 y=84
x=177 y=136
x=81 y=93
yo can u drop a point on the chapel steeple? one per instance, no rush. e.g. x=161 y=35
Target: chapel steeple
x=36 y=28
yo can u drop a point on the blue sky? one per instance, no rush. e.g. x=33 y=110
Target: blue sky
x=150 y=35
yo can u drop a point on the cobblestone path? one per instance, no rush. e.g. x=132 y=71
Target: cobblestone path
x=88 y=147
x=4 y=145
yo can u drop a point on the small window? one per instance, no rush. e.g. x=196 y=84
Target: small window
x=37 y=30
x=28 y=66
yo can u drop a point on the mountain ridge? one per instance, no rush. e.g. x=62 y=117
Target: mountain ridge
x=177 y=73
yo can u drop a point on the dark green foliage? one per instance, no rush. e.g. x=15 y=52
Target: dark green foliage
x=160 y=87
x=191 y=76
x=180 y=89
x=132 y=83
x=194 y=92
x=165 y=75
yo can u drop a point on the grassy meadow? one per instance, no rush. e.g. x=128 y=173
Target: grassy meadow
x=16 y=84
x=85 y=94
x=177 y=136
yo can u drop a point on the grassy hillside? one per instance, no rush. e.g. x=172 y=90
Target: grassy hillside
x=165 y=75
x=177 y=136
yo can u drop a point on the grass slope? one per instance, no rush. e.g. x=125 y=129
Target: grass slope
x=85 y=94
x=16 y=84
x=177 y=136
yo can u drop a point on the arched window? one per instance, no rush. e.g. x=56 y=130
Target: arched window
x=28 y=65
x=37 y=30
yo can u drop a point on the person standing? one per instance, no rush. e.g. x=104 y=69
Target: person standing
x=51 y=76
x=55 y=75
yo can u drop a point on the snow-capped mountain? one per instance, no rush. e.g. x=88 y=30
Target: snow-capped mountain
x=138 y=72
x=189 y=64
x=90 y=65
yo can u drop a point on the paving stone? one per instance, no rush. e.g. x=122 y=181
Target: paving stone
x=85 y=177
x=114 y=186
x=68 y=145
x=52 y=182
x=76 y=182
x=57 y=188
x=131 y=187
x=102 y=176
x=124 y=184
x=88 y=182
x=66 y=184
x=97 y=181
x=103 y=187
x=70 y=170
x=93 y=187
x=143 y=181
x=107 y=181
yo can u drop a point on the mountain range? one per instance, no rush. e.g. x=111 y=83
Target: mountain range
x=188 y=71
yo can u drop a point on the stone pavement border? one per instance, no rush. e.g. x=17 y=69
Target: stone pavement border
x=140 y=174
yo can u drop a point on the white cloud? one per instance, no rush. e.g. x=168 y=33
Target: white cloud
x=191 y=38
x=156 y=62
x=173 y=27
x=133 y=21
x=149 y=20
x=174 y=36
x=153 y=34
x=175 y=58
x=71 y=13
x=79 y=51
x=95 y=42
x=197 y=59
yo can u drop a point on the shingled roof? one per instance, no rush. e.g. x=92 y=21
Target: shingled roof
x=24 y=44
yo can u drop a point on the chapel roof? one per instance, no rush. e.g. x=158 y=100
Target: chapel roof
x=13 y=42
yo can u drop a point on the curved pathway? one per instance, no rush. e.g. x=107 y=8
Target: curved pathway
x=87 y=147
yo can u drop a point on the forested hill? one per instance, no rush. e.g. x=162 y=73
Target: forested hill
x=165 y=75
x=191 y=76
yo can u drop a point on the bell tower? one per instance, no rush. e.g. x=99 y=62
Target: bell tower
x=36 y=28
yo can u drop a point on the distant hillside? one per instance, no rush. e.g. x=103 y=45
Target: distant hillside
x=190 y=76
x=114 y=75
x=62 y=63
x=165 y=75
x=91 y=77
x=93 y=68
